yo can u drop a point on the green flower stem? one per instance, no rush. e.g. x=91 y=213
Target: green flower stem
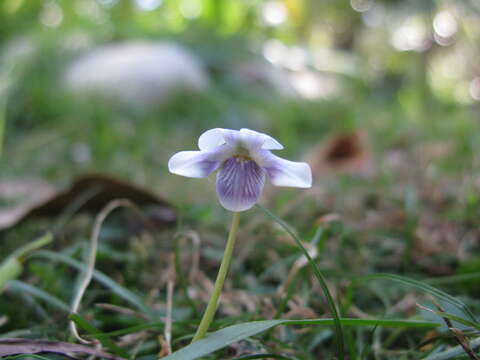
x=222 y=274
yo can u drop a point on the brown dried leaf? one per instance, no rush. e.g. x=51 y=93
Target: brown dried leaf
x=345 y=153
x=102 y=189
x=16 y=346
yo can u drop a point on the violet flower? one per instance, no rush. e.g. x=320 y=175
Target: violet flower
x=244 y=161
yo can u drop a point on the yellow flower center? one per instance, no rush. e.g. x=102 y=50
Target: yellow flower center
x=242 y=154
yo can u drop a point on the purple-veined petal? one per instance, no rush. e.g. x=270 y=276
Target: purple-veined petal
x=239 y=183
x=256 y=140
x=282 y=172
x=196 y=164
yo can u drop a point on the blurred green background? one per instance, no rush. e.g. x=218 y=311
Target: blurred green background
x=118 y=86
x=399 y=70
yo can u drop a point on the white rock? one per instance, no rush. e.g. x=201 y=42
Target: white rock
x=258 y=72
x=136 y=72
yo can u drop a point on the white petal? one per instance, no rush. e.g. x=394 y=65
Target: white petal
x=210 y=139
x=232 y=137
x=271 y=144
x=254 y=140
x=283 y=172
x=239 y=184
x=249 y=139
x=195 y=164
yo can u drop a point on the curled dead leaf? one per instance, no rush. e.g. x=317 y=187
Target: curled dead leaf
x=16 y=346
x=342 y=153
x=91 y=191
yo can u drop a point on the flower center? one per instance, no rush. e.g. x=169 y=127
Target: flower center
x=242 y=154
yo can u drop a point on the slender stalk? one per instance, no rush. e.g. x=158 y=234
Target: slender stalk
x=222 y=274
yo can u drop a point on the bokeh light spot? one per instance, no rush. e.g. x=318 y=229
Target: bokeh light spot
x=51 y=15
x=148 y=5
x=274 y=13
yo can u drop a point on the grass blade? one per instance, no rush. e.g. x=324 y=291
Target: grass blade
x=391 y=323
x=25 y=250
x=453 y=352
x=421 y=286
x=321 y=280
x=454 y=279
x=221 y=339
x=124 y=293
x=133 y=329
x=97 y=334
x=229 y=335
x=263 y=356
x=445 y=315
x=21 y=286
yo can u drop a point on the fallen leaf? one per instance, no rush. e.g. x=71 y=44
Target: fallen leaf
x=342 y=153
x=97 y=189
x=16 y=346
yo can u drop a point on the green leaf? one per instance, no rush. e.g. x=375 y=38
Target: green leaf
x=321 y=280
x=11 y=267
x=229 y=335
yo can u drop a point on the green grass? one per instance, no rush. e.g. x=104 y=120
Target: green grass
x=351 y=250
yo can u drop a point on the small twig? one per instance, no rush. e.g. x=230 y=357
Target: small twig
x=136 y=349
x=459 y=336
x=112 y=205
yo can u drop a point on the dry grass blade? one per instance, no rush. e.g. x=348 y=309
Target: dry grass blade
x=459 y=336
x=168 y=316
x=111 y=206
